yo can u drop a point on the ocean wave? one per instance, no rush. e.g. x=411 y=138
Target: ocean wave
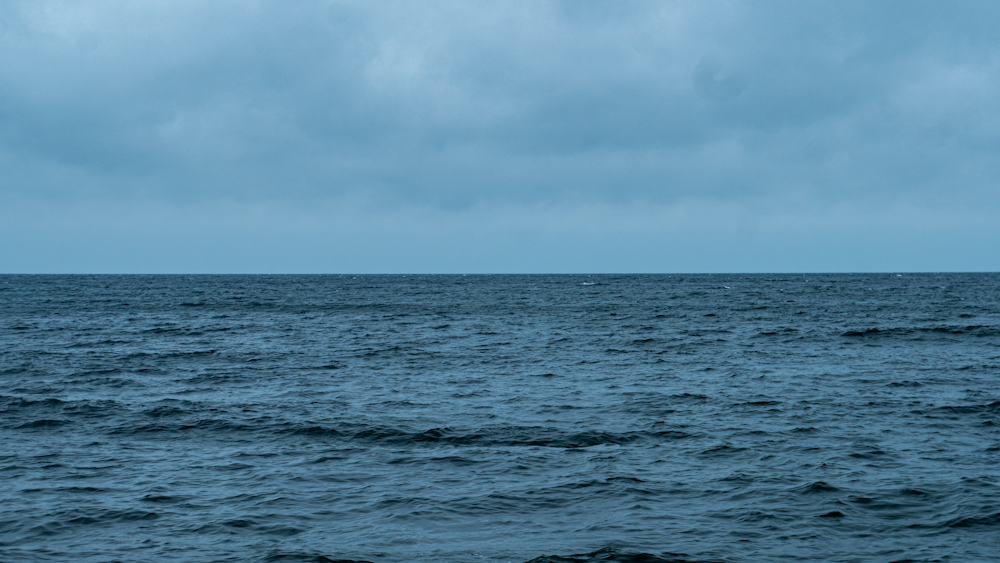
x=492 y=436
x=618 y=556
x=964 y=330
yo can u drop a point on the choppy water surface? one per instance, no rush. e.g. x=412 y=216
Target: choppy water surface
x=500 y=418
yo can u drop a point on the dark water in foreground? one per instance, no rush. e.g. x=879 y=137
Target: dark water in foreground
x=500 y=418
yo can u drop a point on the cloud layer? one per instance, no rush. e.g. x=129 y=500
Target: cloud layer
x=526 y=114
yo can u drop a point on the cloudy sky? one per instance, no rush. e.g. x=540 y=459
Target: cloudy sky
x=499 y=136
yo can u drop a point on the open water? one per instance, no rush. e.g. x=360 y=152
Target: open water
x=566 y=418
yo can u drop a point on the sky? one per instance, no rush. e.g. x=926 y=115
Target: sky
x=475 y=136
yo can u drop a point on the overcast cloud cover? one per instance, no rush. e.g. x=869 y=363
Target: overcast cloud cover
x=485 y=136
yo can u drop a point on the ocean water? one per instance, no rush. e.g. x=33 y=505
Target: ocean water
x=643 y=418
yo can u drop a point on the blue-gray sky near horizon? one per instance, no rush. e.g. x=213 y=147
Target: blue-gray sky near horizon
x=517 y=136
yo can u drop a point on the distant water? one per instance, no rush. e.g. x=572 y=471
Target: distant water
x=500 y=418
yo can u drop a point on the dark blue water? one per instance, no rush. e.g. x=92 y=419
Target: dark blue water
x=500 y=418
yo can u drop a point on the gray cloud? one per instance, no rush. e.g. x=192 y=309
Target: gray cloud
x=455 y=105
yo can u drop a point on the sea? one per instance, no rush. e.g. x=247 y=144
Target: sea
x=500 y=418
